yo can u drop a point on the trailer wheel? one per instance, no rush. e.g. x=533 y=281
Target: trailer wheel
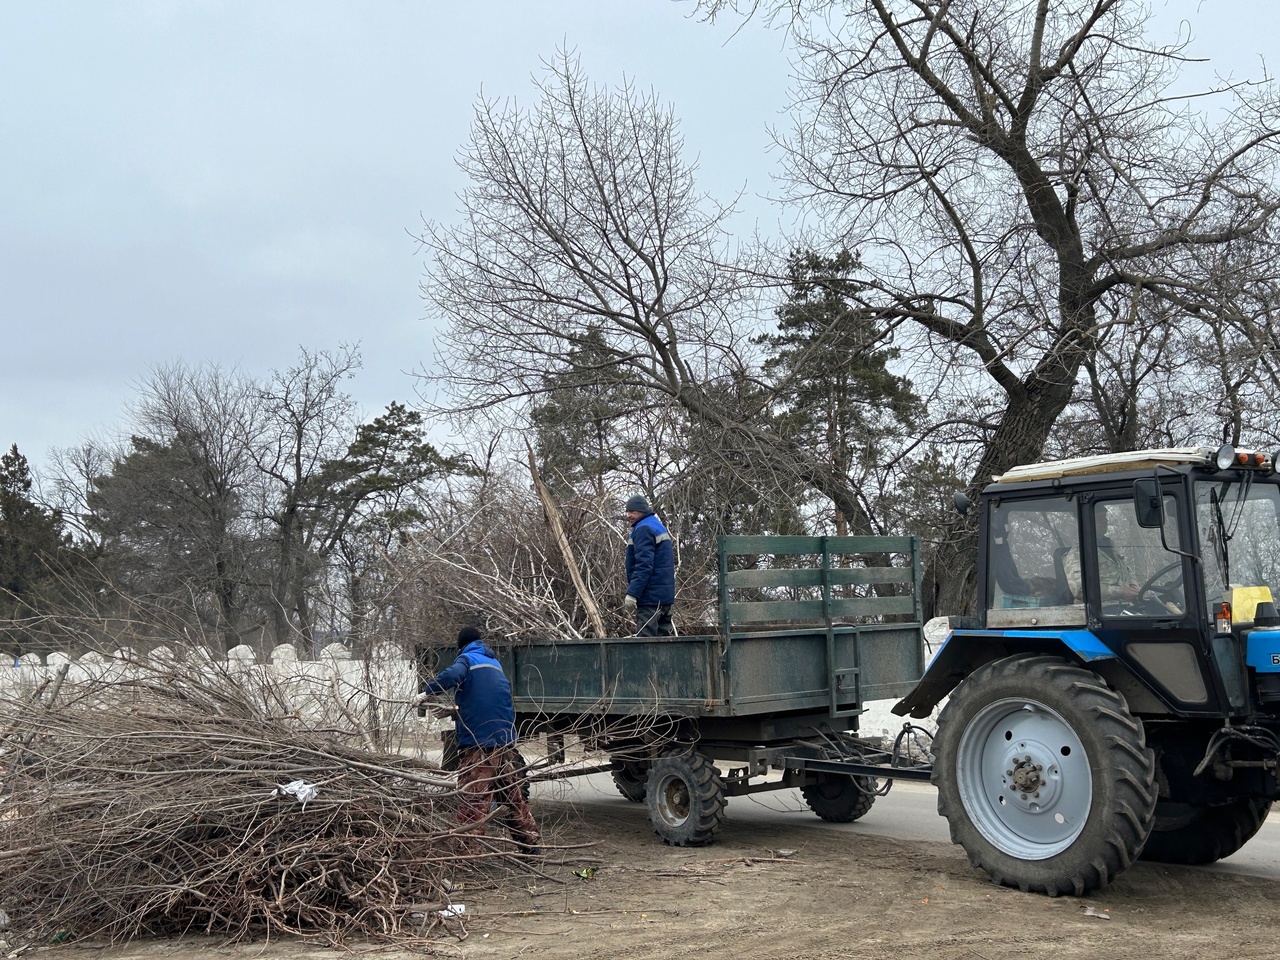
x=685 y=798
x=839 y=797
x=1044 y=776
x=1192 y=835
x=631 y=779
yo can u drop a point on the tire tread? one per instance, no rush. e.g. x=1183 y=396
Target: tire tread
x=852 y=803
x=1217 y=833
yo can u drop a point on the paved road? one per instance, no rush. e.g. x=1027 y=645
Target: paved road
x=909 y=812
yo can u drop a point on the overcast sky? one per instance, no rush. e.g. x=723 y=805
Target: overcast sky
x=229 y=181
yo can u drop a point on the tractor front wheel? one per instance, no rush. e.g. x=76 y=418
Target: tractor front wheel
x=1044 y=776
x=631 y=779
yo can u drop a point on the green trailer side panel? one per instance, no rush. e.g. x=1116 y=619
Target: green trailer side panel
x=873 y=606
x=773 y=672
x=779 y=671
x=891 y=660
x=778 y=610
x=788 y=671
x=806 y=546
x=615 y=675
x=815 y=577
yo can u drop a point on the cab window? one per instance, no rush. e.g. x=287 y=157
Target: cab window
x=1026 y=544
x=1238 y=519
x=1132 y=573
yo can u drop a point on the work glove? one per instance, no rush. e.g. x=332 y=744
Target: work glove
x=629 y=603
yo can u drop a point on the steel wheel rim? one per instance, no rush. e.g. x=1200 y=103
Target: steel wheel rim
x=1024 y=778
x=673 y=800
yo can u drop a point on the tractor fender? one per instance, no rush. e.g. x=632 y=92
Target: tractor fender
x=964 y=651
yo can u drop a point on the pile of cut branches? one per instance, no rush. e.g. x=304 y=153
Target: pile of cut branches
x=163 y=802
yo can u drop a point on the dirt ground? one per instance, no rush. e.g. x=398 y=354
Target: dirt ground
x=838 y=895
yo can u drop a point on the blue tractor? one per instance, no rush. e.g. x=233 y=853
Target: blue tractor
x=1117 y=695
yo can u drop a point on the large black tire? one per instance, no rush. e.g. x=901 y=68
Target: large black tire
x=839 y=797
x=685 y=797
x=1193 y=834
x=631 y=779
x=1044 y=776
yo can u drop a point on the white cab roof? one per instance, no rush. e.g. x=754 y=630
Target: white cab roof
x=1107 y=463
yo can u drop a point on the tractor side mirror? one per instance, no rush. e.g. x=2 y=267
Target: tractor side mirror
x=1147 y=504
x=962 y=503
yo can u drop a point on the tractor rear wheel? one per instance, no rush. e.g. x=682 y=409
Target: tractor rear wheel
x=839 y=797
x=1188 y=834
x=1044 y=776
x=685 y=797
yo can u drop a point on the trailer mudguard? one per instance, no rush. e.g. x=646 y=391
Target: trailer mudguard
x=966 y=650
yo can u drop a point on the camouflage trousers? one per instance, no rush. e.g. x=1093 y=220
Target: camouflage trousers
x=488 y=775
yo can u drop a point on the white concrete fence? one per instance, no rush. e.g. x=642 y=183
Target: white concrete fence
x=322 y=691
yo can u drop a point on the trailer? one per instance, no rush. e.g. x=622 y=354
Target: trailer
x=811 y=629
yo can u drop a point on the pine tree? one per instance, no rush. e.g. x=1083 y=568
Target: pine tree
x=829 y=362
x=35 y=553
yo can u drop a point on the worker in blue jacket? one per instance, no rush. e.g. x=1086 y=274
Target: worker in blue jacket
x=651 y=571
x=489 y=768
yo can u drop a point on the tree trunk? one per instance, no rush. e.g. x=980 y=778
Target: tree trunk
x=951 y=577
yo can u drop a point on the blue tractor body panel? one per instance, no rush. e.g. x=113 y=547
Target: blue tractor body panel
x=1262 y=649
x=966 y=650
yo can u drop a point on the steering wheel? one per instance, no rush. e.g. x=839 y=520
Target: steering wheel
x=1165 y=594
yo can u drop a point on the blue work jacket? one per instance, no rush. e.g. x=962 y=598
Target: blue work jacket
x=651 y=563
x=486 y=715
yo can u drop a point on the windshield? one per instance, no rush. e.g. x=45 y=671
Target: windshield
x=1239 y=524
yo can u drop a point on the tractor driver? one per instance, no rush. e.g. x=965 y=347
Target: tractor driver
x=1115 y=576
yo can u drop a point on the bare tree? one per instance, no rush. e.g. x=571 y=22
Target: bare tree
x=582 y=235
x=1017 y=174
x=67 y=484
x=206 y=413
x=328 y=482
x=307 y=422
x=1237 y=341
x=165 y=509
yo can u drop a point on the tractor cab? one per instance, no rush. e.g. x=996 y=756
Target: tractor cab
x=1118 y=693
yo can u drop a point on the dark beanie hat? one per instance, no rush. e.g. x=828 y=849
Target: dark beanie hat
x=468 y=635
x=638 y=502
